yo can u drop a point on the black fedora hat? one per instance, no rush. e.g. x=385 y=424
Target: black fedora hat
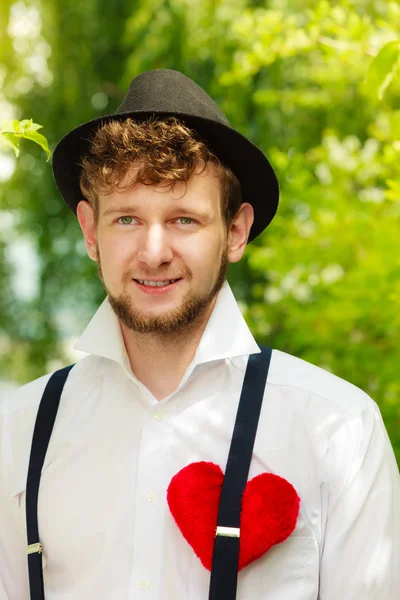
x=161 y=93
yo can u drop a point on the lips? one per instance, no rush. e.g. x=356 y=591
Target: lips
x=156 y=287
x=152 y=283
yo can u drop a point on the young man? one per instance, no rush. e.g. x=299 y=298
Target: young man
x=167 y=194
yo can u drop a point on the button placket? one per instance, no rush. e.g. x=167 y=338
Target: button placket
x=150 y=506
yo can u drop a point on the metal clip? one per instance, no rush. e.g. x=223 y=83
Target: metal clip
x=32 y=548
x=228 y=531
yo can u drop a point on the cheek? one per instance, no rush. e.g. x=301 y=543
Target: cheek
x=113 y=247
x=115 y=255
x=206 y=262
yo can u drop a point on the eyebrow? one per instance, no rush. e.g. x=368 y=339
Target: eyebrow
x=121 y=209
x=201 y=214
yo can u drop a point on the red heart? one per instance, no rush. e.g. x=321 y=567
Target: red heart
x=270 y=507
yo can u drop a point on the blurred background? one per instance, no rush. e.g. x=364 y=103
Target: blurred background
x=314 y=83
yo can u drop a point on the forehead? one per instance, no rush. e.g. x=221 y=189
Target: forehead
x=202 y=191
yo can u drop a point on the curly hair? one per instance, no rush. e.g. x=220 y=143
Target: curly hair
x=164 y=150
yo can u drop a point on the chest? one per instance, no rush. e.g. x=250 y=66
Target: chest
x=102 y=504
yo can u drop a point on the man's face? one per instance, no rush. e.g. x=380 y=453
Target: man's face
x=162 y=252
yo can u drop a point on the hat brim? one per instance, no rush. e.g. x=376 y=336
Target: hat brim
x=258 y=181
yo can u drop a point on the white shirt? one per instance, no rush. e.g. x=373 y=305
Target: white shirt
x=103 y=517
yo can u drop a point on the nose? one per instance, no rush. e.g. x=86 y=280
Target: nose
x=155 y=248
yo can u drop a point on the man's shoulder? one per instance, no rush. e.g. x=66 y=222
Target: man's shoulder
x=312 y=381
x=27 y=397
x=24 y=397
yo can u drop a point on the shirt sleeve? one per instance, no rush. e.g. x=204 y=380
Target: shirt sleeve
x=13 y=557
x=361 y=548
x=3 y=593
x=3 y=559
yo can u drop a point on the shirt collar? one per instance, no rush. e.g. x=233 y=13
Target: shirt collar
x=226 y=334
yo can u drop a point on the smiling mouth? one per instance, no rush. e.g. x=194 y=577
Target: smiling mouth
x=150 y=283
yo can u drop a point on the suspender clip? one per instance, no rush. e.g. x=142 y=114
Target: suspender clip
x=32 y=548
x=228 y=531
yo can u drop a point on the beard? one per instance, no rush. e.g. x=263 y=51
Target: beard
x=183 y=318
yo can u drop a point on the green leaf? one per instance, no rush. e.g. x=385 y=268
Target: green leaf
x=39 y=139
x=34 y=126
x=9 y=140
x=25 y=129
x=29 y=125
x=383 y=68
x=26 y=123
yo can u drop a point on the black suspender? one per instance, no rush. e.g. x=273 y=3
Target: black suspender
x=45 y=419
x=224 y=571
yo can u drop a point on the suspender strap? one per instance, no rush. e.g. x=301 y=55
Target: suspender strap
x=224 y=571
x=45 y=419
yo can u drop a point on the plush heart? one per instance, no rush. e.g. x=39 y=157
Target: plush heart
x=270 y=507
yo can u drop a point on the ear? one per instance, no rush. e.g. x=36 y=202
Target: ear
x=239 y=232
x=86 y=219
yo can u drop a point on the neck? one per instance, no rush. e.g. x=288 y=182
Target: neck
x=159 y=360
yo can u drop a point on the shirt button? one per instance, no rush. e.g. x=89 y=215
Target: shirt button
x=150 y=497
x=144 y=584
x=159 y=416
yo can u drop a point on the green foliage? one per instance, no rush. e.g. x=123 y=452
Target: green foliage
x=314 y=84
x=11 y=132
x=384 y=67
